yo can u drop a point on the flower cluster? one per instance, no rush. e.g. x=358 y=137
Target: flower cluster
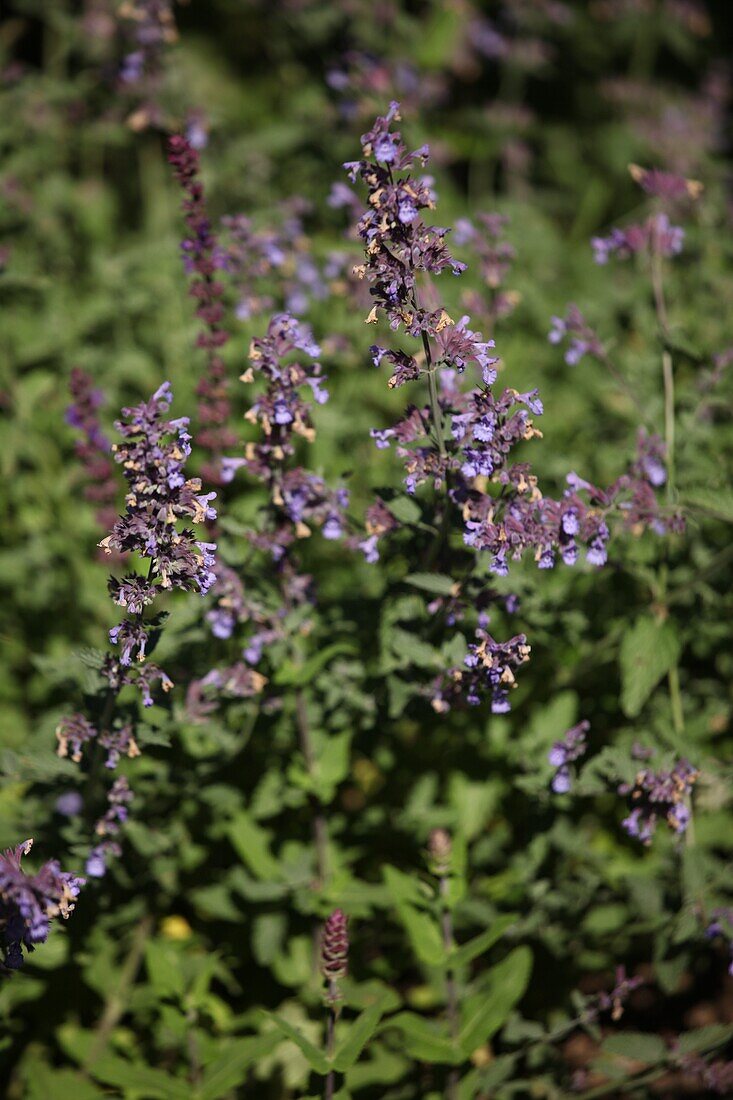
x=666 y=186
x=153 y=455
x=282 y=412
x=582 y=339
x=28 y=903
x=495 y=256
x=297 y=502
x=564 y=752
x=202 y=259
x=398 y=243
x=150 y=29
x=489 y=668
x=335 y=951
x=663 y=795
x=108 y=827
x=615 y=999
x=716 y=1076
x=93 y=447
x=361 y=81
x=275 y=263
x=655 y=236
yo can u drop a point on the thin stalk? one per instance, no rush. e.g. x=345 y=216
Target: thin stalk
x=660 y=306
x=451 y=986
x=330 y=1084
x=435 y=410
x=117 y=1000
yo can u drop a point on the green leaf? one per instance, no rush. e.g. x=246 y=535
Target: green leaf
x=316 y=1058
x=422 y=929
x=229 y=1070
x=705 y=1038
x=649 y=649
x=412 y=650
x=359 y=1034
x=293 y=675
x=487 y=1012
x=404 y=509
x=425 y=1040
x=436 y=583
x=252 y=844
x=636 y=1046
x=716 y=502
x=164 y=969
x=467 y=952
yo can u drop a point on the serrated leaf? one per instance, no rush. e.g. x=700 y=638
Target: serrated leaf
x=359 y=1034
x=316 y=1058
x=649 y=649
x=509 y=980
x=437 y=583
x=636 y=1046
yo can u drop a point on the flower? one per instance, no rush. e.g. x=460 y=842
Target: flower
x=659 y=795
x=665 y=185
x=201 y=259
x=335 y=951
x=93 y=448
x=108 y=826
x=73 y=733
x=397 y=241
x=563 y=752
x=153 y=455
x=582 y=340
x=28 y=903
x=489 y=668
x=655 y=235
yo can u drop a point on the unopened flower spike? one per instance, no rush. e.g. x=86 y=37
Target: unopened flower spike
x=334 y=953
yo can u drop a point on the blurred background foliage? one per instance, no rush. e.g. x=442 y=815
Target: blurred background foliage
x=534 y=109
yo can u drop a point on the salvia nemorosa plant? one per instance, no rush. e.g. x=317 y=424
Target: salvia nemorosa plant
x=462 y=442
x=160 y=497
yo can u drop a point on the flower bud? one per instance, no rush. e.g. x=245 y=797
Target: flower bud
x=335 y=947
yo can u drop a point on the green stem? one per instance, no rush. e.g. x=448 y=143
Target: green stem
x=435 y=410
x=117 y=1000
x=330 y=1084
x=675 y=696
x=660 y=306
x=451 y=987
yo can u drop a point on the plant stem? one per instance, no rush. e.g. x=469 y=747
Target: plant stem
x=116 y=1001
x=660 y=306
x=435 y=409
x=331 y=1037
x=451 y=987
